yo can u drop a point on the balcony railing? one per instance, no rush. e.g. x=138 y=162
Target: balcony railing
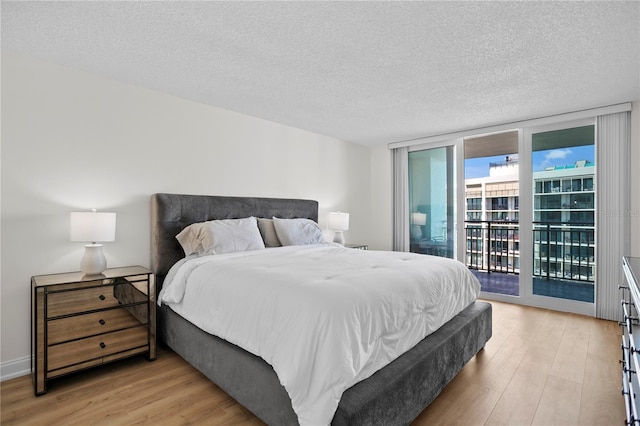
x=561 y=250
x=564 y=251
x=493 y=246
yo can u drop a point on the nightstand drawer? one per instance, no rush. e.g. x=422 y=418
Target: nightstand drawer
x=66 y=354
x=87 y=299
x=71 y=328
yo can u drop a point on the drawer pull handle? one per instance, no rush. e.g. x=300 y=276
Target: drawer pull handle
x=102 y=345
x=101 y=322
x=102 y=297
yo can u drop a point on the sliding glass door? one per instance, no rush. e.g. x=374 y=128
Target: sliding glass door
x=432 y=201
x=562 y=209
x=525 y=201
x=543 y=224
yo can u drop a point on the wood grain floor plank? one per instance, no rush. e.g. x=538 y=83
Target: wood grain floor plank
x=479 y=402
x=519 y=401
x=559 y=404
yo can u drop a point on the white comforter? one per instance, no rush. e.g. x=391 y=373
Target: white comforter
x=324 y=316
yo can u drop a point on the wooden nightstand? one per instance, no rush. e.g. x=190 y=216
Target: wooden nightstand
x=357 y=246
x=80 y=321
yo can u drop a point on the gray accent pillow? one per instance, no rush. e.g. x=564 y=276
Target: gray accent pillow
x=268 y=232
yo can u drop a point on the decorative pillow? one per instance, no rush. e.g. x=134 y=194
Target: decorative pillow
x=292 y=232
x=221 y=236
x=268 y=232
x=188 y=240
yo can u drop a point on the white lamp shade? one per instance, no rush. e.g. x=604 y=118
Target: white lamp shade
x=338 y=221
x=419 y=219
x=92 y=226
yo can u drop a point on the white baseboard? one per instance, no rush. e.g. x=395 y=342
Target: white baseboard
x=15 y=368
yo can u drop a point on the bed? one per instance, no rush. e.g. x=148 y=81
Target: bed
x=394 y=394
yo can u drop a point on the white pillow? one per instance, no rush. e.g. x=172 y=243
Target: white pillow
x=221 y=236
x=268 y=232
x=293 y=232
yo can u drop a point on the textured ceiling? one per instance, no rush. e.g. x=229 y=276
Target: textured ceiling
x=366 y=72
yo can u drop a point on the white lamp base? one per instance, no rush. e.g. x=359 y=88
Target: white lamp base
x=416 y=232
x=338 y=237
x=93 y=262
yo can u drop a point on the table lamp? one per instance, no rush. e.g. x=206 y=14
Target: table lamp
x=418 y=220
x=338 y=222
x=92 y=227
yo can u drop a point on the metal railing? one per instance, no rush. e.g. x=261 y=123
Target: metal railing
x=493 y=246
x=564 y=251
x=561 y=250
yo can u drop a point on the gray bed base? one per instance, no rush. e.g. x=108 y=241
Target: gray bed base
x=395 y=395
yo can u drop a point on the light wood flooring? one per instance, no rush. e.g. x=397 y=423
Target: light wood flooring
x=539 y=368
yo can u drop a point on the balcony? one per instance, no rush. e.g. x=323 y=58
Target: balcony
x=563 y=263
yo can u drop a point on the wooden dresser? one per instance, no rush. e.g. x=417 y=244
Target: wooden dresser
x=80 y=321
x=631 y=338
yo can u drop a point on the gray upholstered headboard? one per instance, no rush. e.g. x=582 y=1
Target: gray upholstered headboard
x=170 y=213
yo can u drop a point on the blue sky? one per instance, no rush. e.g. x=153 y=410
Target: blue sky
x=479 y=167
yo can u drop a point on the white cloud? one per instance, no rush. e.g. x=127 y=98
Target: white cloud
x=556 y=154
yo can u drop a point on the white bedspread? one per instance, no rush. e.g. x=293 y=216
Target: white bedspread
x=324 y=316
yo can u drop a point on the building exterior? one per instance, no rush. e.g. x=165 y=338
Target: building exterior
x=492 y=218
x=564 y=222
x=564 y=213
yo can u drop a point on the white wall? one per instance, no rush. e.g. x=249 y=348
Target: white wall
x=73 y=141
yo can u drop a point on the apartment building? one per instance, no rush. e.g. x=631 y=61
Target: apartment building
x=564 y=243
x=564 y=222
